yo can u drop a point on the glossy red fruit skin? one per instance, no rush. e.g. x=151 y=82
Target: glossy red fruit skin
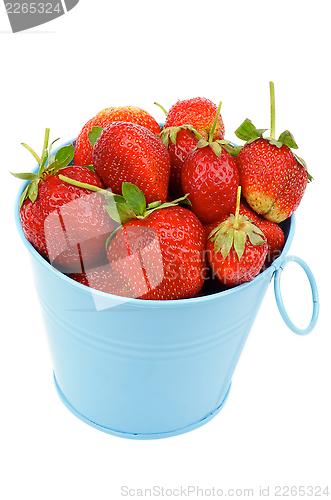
x=127 y=152
x=84 y=149
x=230 y=271
x=161 y=257
x=273 y=233
x=102 y=278
x=273 y=182
x=65 y=216
x=211 y=182
x=185 y=143
x=199 y=112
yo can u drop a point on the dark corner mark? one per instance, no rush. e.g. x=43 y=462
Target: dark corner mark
x=24 y=14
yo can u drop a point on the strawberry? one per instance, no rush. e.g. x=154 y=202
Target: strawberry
x=198 y=112
x=180 y=141
x=159 y=251
x=66 y=224
x=236 y=248
x=273 y=178
x=102 y=278
x=272 y=232
x=84 y=149
x=210 y=176
x=127 y=152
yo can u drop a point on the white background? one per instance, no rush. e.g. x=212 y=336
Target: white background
x=275 y=427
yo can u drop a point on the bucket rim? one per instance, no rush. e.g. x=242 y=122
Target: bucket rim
x=266 y=274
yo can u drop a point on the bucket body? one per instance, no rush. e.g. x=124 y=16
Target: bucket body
x=145 y=369
x=138 y=367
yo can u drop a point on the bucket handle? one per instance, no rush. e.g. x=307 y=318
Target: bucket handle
x=279 y=300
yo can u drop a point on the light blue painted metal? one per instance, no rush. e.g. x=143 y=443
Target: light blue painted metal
x=279 y=299
x=145 y=369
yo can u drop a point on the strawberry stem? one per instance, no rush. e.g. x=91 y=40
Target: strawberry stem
x=236 y=215
x=212 y=130
x=159 y=105
x=45 y=146
x=83 y=185
x=272 y=110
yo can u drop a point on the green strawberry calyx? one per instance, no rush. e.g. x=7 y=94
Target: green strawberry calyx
x=233 y=231
x=169 y=134
x=128 y=206
x=94 y=134
x=249 y=133
x=48 y=165
x=219 y=144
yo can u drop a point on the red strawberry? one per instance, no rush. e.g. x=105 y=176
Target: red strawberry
x=102 y=278
x=199 y=112
x=159 y=254
x=273 y=233
x=210 y=176
x=273 y=178
x=84 y=149
x=180 y=141
x=126 y=152
x=66 y=224
x=236 y=249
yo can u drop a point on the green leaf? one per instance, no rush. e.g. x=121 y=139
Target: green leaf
x=90 y=167
x=55 y=167
x=193 y=130
x=239 y=243
x=217 y=148
x=44 y=159
x=164 y=136
x=118 y=198
x=51 y=160
x=218 y=241
x=125 y=213
x=260 y=131
x=202 y=143
x=36 y=157
x=256 y=238
x=213 y=232
x=65 y=154
x=287 y=138
x=246 y=131
x=134 y=197
x=173 y=134
x=234 y=151
x=52 y=143
x=169 y=134
x=227 y=243
x=32 y=191
x=274 y=142
x=154 y=204
x=113 y=212
x=94 y=134
x=28 y=176
x=184 y=201
x=23 y=196
x=45 y=146
x=302 y=162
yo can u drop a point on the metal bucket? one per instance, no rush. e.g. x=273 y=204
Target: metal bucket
x=146 y=369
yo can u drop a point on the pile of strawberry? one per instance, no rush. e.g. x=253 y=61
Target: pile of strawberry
x=141 y=211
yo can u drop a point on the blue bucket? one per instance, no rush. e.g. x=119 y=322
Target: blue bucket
x=147 y=369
